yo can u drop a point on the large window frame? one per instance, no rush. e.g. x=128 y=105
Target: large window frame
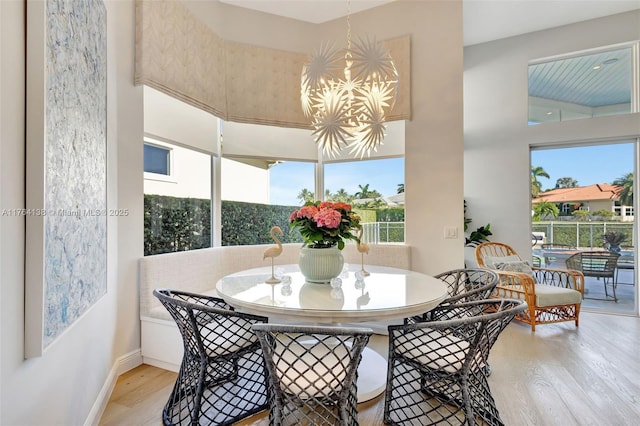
x=584 y=84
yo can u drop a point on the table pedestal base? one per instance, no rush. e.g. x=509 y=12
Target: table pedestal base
x=372 y=375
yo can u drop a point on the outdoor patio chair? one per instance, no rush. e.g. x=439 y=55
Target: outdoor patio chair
x=436 y=370
x=463 y=285
x=222 y=378
x=598 y=264
x=552 y=295
x=312 y=372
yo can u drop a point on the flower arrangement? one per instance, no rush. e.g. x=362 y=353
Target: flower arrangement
x=325 y=224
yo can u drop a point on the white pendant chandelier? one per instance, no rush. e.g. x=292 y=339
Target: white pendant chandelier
x=348 y=93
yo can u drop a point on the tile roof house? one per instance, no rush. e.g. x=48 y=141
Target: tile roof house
x=599 y=196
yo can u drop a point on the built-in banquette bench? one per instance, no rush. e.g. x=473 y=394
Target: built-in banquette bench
x=198 y=271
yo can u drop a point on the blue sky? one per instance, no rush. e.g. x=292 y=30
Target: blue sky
x=587 y=164
x=289 y=178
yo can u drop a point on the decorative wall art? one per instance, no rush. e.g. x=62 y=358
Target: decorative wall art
x=66 y=257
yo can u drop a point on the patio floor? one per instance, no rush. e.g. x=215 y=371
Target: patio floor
x=625 y=291
x=594 y=297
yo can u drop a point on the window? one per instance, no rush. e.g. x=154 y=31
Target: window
x=376 y=189
x=581 y=86
x=157 y=159
x=177 y=211
x=266 y=192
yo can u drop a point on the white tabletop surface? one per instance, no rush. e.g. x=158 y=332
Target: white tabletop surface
x=388 y=293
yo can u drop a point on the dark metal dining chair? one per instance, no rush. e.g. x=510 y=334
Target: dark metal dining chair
x=222 y=378
x=312 y=372
x=436 y=371
x=463 y=285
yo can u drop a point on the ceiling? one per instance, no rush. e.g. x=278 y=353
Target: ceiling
x=483 y=20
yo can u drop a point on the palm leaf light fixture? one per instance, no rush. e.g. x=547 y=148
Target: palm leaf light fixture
x=348 y=93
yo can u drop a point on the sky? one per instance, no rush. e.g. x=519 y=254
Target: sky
x=587 y=164
x=289 y=178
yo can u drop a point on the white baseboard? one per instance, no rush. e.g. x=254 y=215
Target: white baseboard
x=161 y=364
x=122 y=365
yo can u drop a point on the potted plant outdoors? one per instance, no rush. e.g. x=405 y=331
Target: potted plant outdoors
x=324 y=227
x=612 y=241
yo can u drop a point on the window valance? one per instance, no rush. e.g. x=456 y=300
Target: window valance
x=179 y=55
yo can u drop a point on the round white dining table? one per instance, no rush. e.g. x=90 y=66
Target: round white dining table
x=385 y=294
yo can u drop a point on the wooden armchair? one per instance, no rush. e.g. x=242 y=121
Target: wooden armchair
x=552 y=295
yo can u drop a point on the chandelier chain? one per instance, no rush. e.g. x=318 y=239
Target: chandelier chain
x=348 y=25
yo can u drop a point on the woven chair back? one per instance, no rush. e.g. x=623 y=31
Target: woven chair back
x=312 y=372
x=222 y=361
x=437 y=369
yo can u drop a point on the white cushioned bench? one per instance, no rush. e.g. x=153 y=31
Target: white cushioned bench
x=198 y=271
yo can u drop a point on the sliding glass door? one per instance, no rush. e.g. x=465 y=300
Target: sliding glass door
x=582 y=200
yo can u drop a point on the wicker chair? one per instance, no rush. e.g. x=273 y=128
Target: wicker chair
x=312 y=372
x=463 y=285
x=552 y=295
x=598 y=264
x=436 y=371
x=222 y=378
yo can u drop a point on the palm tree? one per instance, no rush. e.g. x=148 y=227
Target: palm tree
x=306 y=195
x=400 y=188
x=342 y=195
x=536 y=186
x=364 y=192
x=545 y=209
x=626 y=189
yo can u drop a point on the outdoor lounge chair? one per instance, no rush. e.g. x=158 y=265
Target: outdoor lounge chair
x=552 y=295
x=598 y=264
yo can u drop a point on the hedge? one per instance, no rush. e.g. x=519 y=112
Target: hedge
x=179 y=224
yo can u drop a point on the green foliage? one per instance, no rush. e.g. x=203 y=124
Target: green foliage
x=175 y=224
x=544 y=209
x=603 y=214
x=566 y=182
x=625 y=183
x=178 y=224
x=582 y=234
x=478 y=236
x=582 y=215
x=250 y=223
x=536 y=186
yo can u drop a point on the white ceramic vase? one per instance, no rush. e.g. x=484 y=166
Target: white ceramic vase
x=320 y=265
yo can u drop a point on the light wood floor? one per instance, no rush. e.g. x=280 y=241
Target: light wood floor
x=558 y=375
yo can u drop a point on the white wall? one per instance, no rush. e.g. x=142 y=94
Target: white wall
x=496 y=135
x=67 y=384
x=190 y=174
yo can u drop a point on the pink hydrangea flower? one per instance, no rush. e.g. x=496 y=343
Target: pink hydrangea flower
x=308 y=212
x=328 y=218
